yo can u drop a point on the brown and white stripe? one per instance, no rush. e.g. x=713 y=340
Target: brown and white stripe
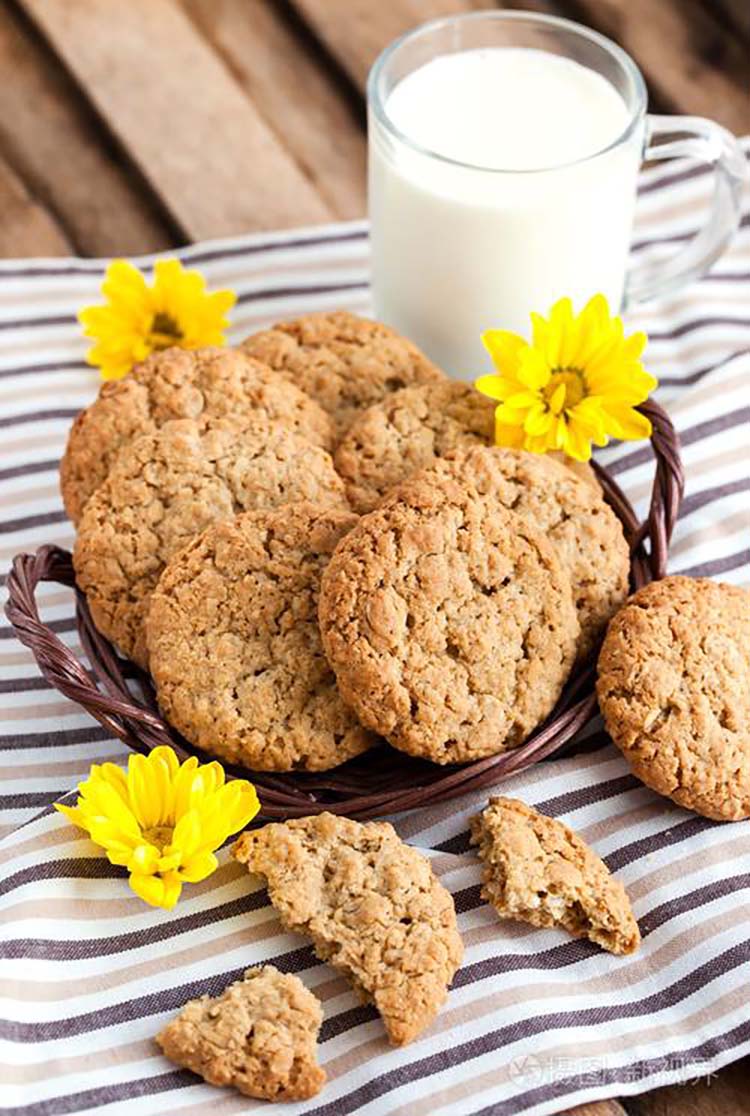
x=535 y=1022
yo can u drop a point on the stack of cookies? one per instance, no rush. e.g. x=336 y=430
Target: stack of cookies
x=311 y=545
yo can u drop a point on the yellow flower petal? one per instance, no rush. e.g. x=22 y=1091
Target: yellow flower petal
x=134 y=817
x=504 y=347
x=494 y=387
x=148 y=888
x=578 y=382
x=144 y=859
x=198 y=867
x=533 y=370
x=627 y=424
x=508 y=435
x=137 y=318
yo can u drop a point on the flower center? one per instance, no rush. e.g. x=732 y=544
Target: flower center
x=159 y=835
x=566 y=388
x=164 y=331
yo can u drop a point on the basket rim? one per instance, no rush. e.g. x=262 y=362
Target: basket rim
x=122 y=699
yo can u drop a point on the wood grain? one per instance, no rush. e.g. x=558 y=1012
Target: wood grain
x=26 y=227
x=694 y=65
x=734 y=14
x=355 y=31
x=180 y=115
x=64 y=155
x=311 y=112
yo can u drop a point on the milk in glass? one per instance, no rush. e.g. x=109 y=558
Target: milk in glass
x=498 y=197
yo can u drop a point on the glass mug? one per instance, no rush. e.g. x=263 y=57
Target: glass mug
x=459 y=248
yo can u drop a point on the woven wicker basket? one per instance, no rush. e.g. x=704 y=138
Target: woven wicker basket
x=382 y=781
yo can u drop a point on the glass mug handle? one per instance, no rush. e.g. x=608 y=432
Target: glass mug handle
x=712 y=144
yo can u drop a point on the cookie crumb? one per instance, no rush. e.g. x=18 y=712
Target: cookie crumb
x=372 y=907
x=538 y=870
x=259 y=1036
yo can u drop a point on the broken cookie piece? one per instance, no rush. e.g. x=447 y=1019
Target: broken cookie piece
x=258 y=1036
x=538 y=870
x=372 y=907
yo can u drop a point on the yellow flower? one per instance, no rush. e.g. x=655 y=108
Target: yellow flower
x=577 y=382
x=162 y=820
x=138 y=319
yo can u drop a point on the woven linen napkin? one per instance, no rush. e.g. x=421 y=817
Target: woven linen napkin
x=535 y=1022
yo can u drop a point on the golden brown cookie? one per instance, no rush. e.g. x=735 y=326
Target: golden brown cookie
x=570 y=513
x=343 y=361
x=234 y=646
x=165 y=489
x=449 y=622
x=259 y=1036
x=538 y=870
x=199 y=384
x=372 y=907
x=674 y=690
x=407 y=430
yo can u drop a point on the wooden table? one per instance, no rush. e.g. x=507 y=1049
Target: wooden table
x=129 y=126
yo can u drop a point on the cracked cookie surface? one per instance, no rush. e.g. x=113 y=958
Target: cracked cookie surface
x=449 y=622
x=540 y=871
x=197 y=384
x=342 y=361
x=674 y=690
x=234 y=646
x=407 y=430
x=259 y=1036
x=371 y=905
x=168 y=487
x=571 y=514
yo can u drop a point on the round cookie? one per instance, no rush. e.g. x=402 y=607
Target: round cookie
x=343 y=361
x=234 y=646
x=571 y=514
x=166 y=488
x=408 y=429
x=405 y=432
x=198 y=384
x=449 y=622
x=674 y=690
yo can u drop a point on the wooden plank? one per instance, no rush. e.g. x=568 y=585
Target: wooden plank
x=315 y=115
x=693 y=64
x=180 y=115
x=26 y=228
x=735 y=12
x=726 y=1093
x=355 y=31
x=57 y=146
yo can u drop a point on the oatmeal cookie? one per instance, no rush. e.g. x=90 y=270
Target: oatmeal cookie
x=449 y=622
x=196 y=384
x=571 y=515
x=168 y=487
x=372 y=907
x=234 y=646
x=538 y=870
x=259 y=1036
x=343 y=361
x=407 y=430
x=674 y=690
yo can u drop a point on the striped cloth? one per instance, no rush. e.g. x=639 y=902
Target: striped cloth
x=535 y=1022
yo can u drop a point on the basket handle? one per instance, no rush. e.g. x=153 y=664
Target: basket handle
x=58 y=663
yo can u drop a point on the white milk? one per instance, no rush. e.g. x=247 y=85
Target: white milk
x=459 y=248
